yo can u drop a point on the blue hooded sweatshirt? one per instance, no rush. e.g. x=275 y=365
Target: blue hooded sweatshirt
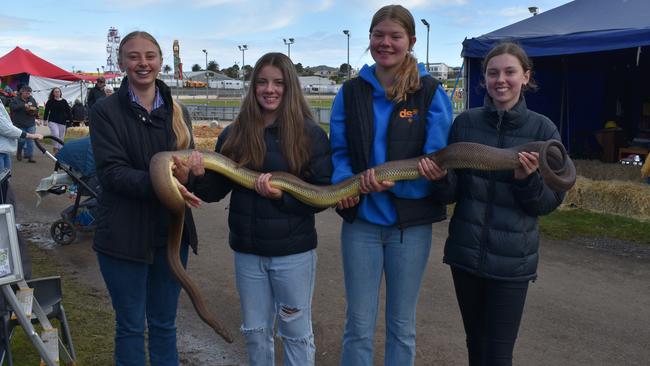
x=377 y=208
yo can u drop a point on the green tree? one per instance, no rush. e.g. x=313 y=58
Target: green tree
x=213 y=66
x=299 y=69
x=167 y=69
x=343 y=69
x=248 y=70
x=196 y=67
x=232 y=71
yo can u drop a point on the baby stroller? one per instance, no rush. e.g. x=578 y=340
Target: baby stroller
x=80 y=180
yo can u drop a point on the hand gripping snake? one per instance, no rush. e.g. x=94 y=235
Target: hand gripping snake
x=556 y=168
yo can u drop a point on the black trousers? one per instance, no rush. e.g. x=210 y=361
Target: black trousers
x=491 y=311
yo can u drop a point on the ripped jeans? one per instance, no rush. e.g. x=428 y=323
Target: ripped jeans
x=282 y=288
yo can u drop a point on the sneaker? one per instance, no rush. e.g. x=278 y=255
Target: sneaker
x=31 y=160
x=19 y=155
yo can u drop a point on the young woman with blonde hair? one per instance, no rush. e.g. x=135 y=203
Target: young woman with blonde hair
x=394 y=110
x=127 y=129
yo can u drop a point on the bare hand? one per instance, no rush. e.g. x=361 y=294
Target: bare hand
x=190 y=199
x=182 y=167
x=347 y=202
x=369 y=183
x=529 y=163
x=430 y=170
x=263 y=187
x=34 y=136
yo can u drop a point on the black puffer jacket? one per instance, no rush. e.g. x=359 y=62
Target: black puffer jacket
x=131 y=219
x=263 y=226
x=493 y=232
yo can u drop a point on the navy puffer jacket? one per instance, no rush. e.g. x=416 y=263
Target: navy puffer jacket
x=493 y=232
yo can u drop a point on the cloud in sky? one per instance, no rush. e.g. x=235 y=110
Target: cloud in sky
x=75 y=35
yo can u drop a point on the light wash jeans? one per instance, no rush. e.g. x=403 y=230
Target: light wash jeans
x=142 y=291
x=27 y=144
x=401 y=256
x=283 y=286
x=57 y=130
x=5 y=161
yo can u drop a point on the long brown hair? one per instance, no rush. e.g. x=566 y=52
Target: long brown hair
x=51 y=96
x=179 y=126
x=407 y=77
x=245 y=143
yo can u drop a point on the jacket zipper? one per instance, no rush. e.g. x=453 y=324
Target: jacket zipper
x=490 y=203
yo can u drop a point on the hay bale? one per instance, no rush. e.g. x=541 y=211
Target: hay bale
x=76 y=132
x=597 y=170
x=205 y=143
x=630 y=199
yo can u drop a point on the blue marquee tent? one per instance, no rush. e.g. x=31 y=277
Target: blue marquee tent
x=592 y=63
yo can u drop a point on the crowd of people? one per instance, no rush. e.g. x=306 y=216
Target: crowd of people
x=393 y=110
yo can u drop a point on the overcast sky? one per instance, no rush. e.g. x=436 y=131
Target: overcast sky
x=73 y=33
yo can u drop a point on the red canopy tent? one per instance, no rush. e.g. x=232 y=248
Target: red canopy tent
x=20 y=61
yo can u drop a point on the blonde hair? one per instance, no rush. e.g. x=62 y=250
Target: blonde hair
x=245 y=143
x=407 y=77
x=179 y=126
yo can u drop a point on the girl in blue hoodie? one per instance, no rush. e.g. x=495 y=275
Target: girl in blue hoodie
x=394 y=110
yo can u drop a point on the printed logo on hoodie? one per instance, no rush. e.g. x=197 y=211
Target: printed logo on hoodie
x=410 y=115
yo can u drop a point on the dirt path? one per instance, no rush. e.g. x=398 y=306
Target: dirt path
x=590 y=305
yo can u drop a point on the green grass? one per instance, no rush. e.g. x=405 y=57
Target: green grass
x=567 y=224
x=89 y=313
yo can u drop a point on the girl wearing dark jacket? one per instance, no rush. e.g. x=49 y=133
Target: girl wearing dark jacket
x=493 y=235
x=273 y=234
x=57 y=115
x=127 y=129
x=394 y=110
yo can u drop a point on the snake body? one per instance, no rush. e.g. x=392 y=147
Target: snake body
x=556 y=169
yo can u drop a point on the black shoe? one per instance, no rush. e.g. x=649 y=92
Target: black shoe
x=19 y=155
x=31 y=160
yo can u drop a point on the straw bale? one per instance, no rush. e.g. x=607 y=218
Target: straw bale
x=630 y=199
x=645 y=169
x=597 y=170
x=76 y=132
x=205 y=143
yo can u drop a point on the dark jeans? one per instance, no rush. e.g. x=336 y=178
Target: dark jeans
x=142 y=291
x=491 y=311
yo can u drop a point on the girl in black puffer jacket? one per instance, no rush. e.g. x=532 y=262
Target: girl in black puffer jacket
x=493 y=235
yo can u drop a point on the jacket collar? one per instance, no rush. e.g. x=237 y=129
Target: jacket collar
x=165 y=92
x=510 y=119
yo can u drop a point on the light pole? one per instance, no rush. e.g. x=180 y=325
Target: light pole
x=533 y=10
x=207 y=83
x=289 y=43
x=347 y=33
x=428 y=27
x=243 y=49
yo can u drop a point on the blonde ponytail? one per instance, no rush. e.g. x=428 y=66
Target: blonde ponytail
x=180 y=127
x=407 y=80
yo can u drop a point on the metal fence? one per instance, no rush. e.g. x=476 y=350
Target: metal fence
x=208 y=112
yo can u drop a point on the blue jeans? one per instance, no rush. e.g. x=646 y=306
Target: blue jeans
x=401 y=256
x=27 y=144
x=5 y=161
x=277 y=285
x=138 y=291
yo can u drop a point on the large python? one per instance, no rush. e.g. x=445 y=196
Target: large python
x=555 y=166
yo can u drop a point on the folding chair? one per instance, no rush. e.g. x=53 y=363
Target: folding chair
x=48 y=293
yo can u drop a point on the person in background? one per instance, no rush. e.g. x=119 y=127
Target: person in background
x=24 y=113
x=9 y=135
x=79 y=114
x=394 y=110
x=126 y=130
x=108 y=91
x=58 y=116
x=272 y=233
x=97 y=92
x=493 y=243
